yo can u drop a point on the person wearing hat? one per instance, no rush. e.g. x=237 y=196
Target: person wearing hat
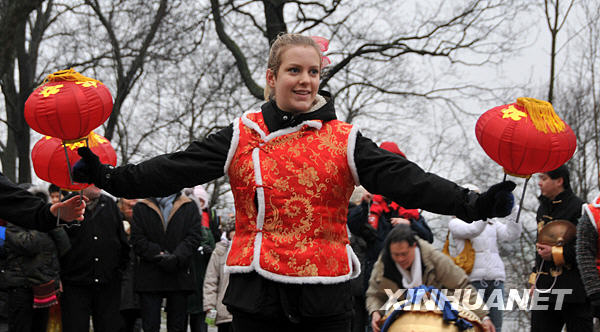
x=588 y=252
x=217 y=279
x=556 y=266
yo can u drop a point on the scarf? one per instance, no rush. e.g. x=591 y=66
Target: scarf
x=44 y=295
x=166 y=204
x=414 y=277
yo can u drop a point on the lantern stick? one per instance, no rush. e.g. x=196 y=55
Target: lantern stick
x=68 y=162
x=522 y=197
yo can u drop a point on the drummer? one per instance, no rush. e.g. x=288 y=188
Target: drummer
x=556 y=266
x=407 y=262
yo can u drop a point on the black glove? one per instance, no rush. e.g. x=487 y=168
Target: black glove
x=87 y=169
x=497 y=201
x=167 y=261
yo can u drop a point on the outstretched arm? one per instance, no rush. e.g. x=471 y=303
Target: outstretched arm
x=20 y=207
x=162 y=175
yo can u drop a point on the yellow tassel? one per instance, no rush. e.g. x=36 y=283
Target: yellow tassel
x=68 y=75
x=542 y=115
x=91 y=140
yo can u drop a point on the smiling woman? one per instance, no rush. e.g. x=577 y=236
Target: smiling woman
x=292 y=166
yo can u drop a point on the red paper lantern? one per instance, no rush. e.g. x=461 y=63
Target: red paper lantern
x=525 y=137
x=50 y=163
x=68 y=106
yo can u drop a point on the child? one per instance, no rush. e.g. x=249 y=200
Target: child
x=292 y=167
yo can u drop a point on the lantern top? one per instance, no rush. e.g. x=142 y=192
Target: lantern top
x=542 y=115
x=68 y=75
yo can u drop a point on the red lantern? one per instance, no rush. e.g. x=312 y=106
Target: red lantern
x=525 y=137
x=50 y=163
x=68 y=106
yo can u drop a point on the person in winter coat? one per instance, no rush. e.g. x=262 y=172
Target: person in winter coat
x=210 y=219
x=217 y=279
x=130 y=303
x=32 y=275
x=20 y=207
x=91 y=270
x=556 y=266
x=588 y=253
x=165 y=233
x=198 y=264
x=488 y=269
x=292 y=167
x=407 y=262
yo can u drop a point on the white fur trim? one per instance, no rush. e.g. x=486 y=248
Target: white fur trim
x=260 y=191
x=587 y=210
x=235 y=139
x=353 y=262
x=253 y=125
x=350 y=154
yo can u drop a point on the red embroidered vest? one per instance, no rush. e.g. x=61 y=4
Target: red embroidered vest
x=291 y=190
x=593 y=211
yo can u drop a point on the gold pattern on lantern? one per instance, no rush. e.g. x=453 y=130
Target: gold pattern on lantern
x=51 y=90
x=87 y=84
x=513 y=113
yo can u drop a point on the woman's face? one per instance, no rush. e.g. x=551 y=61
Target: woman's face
x=297 y=80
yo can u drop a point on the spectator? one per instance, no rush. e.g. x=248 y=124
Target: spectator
x=407 y=262
x=165 y=233
x=216 y=279
x=130 y=303
x=32 y=273
x=556 y=266
x=588 y=253
x=198 y=265
x=488 y=269
x=210 y=219
x=91 y=271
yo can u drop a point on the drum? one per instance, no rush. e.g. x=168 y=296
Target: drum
x=428 y=318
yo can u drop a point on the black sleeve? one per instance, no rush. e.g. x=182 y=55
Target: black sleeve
x=390 y=175
x=166 y=174
x=20 y=207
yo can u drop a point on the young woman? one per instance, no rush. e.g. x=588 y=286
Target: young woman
x=292 y=167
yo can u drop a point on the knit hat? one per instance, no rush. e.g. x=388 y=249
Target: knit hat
x=392 y=147
x=202 y=195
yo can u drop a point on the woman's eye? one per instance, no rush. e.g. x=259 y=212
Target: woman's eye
x=294 y=70
x=314 y=72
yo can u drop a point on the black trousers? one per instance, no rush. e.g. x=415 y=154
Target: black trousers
x=243 y=322
x=150 y=304
x=22 y=317
x=100 y=301
x=197 y=323
x=576 y=316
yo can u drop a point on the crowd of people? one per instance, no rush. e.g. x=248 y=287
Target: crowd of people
x=301 y=252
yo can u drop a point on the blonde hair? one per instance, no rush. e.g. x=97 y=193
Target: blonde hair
x=281 y=43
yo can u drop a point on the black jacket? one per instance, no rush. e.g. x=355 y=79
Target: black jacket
x=99 y=250
x=379 y=171
x=20 y=207
x=149 y=237
x=32 y=256
x=565 y=206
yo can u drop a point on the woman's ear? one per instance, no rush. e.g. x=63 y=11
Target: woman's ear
x=270 y=78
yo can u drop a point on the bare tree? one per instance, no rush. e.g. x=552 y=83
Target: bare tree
x=27 y=35
x=555 y=22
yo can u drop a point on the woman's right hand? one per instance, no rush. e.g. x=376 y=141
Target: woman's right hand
x=375 y=318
